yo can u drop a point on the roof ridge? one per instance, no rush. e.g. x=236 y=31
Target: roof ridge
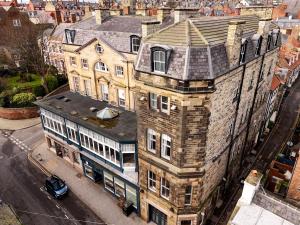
x=198 y=32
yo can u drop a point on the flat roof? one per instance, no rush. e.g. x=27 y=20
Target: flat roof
x=122 y=128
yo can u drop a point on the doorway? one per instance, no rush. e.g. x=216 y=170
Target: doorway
x=157 y=216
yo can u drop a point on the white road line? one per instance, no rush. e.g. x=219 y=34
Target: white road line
x=66 y=216
x=57 y=206
x=48 y=197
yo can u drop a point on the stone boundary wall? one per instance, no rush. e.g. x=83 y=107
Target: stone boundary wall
x=19 y=113
x=277 y=206
x=28 y=112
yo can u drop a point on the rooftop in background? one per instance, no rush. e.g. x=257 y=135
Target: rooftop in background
x=76 y=108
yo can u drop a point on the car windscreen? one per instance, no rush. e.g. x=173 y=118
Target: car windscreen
x=58 y=184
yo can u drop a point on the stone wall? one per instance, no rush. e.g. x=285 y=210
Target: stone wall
x=19 y=113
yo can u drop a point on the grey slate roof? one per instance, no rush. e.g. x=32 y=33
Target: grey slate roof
x=115 y=30
x=122 y=128
x=198 y=50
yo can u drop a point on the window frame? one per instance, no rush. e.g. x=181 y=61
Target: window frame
x=133 y=46
x=164 y=145
x=87 y=87
x=17 y=23
x=73 y=61
x=151 y=138
x=119 y=71
x=151 y=180
x=76 y=83
x=190 y=194
x=269 y=41
x=162 y=61
x=97 y=47
x=153 y=103
x=101 y=67
x=83 y=64
x=105 y=96
x=165 y=186
x=165 y=104
x=243 y=52
x=120 y=100
x=258 y=46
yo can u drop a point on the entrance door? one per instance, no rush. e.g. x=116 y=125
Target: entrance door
x=157 y=216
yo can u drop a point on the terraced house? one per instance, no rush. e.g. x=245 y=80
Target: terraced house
x=203 y=84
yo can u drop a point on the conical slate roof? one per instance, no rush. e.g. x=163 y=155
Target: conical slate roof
x=107 y=113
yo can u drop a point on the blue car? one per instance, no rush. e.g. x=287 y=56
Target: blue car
x=56 y=187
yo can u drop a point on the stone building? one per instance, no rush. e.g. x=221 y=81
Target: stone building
x=203 y=84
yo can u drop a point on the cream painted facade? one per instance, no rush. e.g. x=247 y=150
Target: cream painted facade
x=86 y=78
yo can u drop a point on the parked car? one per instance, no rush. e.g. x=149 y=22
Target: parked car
x=56 y=186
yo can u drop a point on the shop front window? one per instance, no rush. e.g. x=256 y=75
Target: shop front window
x=89 y=171
x=108 y=182
x=131 y=195
x=119 y=188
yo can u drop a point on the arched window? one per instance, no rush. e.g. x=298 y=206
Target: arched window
x=100 y=66
x=135 y=42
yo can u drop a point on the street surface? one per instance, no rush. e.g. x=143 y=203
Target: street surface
x=21 y=185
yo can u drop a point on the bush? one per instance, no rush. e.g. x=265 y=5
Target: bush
x=26 y=77
x=39 y=91
x=5 y=98
x=62 y=79
x=23 y=100
x=3 y=84
x=51 y=82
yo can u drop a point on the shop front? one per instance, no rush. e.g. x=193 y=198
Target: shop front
x=113 y=183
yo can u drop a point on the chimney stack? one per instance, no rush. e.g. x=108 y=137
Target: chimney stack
x=234 y=41
x=149 y=27
x=263 y=30
x=115 y=12
x=251 y=185
x=100 y=15
x=184 y=13
x=162 y=13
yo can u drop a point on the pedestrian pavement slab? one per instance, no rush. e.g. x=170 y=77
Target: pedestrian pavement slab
x=92 y=194
x=6 y=124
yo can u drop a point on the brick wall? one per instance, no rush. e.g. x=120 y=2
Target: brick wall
x=18 y=113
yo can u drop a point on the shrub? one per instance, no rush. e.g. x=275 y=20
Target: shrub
x=23 y=99
x=62 y=79
x=39 y=91
x=3 y=84
x=26 y=77
x=51 y=82
x=5 y=98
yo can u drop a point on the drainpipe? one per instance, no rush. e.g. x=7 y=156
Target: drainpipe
x=251 y=110
x=128 y=88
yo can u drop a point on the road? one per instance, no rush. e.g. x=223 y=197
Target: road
x=21 y=186
x=279 y=136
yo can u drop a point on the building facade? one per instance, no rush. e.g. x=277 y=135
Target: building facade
x=200 y=109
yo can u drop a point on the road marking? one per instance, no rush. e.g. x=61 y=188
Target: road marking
x=48 y=197
x=57 y=206
x=66 y=216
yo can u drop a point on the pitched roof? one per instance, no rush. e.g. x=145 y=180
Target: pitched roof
x=276 y=82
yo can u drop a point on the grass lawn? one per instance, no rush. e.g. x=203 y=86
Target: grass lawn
x=15 y=82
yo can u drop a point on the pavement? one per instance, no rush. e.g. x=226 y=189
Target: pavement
x=8 y=216
x=100 y=201
x=6 y=124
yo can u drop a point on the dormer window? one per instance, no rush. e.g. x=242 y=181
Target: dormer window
x=135 y=42
x=269 y=43
x=258 y=46
x=243 y=52
x=99 y=48
x=70 y=36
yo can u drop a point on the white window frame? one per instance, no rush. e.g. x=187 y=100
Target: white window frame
x=188 y=194
x=159 y=63
x=73 y=61
x=53 y=122
x=76 y=83
x=153 y=101
x=134 y=46
x=151 y=137
x=16 y=22
x=164 y=186
x=162 y=103
x=164 y=145
x=151 y=180
x=84 y=64
x=72 y=131
x=104 y=92
x=101 y=67
x=119 y=71
x=243 y=53
x=122 y=98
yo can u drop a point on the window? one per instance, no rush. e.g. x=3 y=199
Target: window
x=135 y=43
x=261 y=75
x=16 y=23
x=186 y=222
x=87 y=87
x=269 y=43
x=151 y=140
x=131 y=195
x=258 y=46
x=151 y=181
x=76 y=84
x=236 y=95
x=53 y=122
x=251 y=81
x=119 y=187
x=119 y=71
x=159 y=61
x=72 y=61
x=164 y=104
x=153 y=101
x=84 y=64
x=243 y=52
x=108 y=182
x=121 y=97
x=104 y=90
x=166 y=146
x=71 y=131
x=277 y=39
x=165 y=188
x=99 y=48
x=100 y=66
x=188 y=195
x=70 y=36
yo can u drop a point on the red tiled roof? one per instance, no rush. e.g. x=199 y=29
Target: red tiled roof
x=276 y=82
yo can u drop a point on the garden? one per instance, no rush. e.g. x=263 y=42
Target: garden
x=19 y=88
